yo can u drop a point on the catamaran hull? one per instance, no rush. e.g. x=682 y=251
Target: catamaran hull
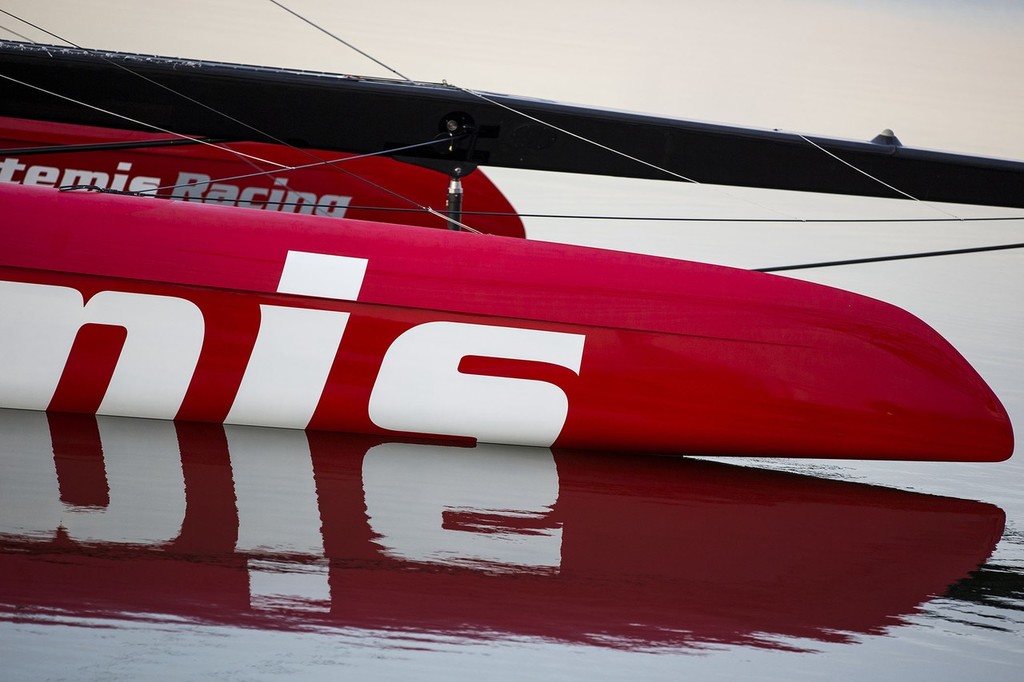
x=332 y=184
x=141 y=307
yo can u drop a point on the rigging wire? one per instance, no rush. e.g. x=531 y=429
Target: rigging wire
x=100 y=146
x=684 y=178
x=286 y=169
x=340 y=40
x=147 y=79
x=595 y=143
x=480 y=95
x=690 y=219
x=15 y=33
x=282 y=168
x=679 y=176
x=882 y=259
x=159 y=84
x=265 y=135
x=581 y=138
x=197 y=140
x=277 y=171
x=612 y=150
x=872 y=177
x=273 y=171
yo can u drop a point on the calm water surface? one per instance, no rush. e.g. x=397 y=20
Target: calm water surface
x=144 y=546
x=132 y=549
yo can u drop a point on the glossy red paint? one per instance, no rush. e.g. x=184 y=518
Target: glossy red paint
x=646 y=552
x=678 y=357
x=373 y=188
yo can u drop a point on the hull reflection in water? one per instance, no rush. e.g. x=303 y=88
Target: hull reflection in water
x=133 y=519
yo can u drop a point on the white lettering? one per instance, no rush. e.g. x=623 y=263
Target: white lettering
x=48 y=176
x=75 y=176
x=187 y=187
x=420 y=389
x=8 y=167
x=333 y=205
x=249 y=196
x=40 y=323
x=198 y=187
x=222 y=193
x=321 y=274
x=295 y=347
x=288 y=369
x=300 y=202
x=121 y=179
x=144 y=184
x=42 y=176
x=277 y=195
x=190 y=186
x=165 y=335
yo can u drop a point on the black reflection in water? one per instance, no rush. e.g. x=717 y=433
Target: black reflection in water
x=124 y=518
x=991 y=585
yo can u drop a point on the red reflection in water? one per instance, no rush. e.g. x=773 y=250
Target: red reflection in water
x=481 y=542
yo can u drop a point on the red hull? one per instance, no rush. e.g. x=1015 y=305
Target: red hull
x=279 y=530
x=360 y=188
x=300 y=321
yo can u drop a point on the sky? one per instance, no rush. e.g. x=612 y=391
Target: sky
x=942 y=75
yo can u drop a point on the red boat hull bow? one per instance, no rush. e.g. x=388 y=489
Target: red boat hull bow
x=141 y=307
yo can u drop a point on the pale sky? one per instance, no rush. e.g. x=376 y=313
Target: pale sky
x=943 y=75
